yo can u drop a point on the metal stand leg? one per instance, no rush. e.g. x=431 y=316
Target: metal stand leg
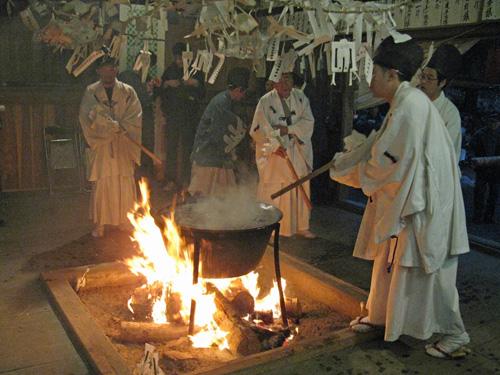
x=196 y=266
x=284 y=316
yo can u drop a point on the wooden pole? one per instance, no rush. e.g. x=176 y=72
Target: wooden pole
x=296 y=177
x=155 y=158
x=299 y=149
x=301 y=180
x=196 y=266
x=278 y=274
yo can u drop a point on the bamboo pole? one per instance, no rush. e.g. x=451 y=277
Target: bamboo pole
x=296 y=177
x=300 y=181
x=155 y=158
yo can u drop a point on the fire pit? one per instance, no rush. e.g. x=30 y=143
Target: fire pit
x=153 y=296
x=90 y=322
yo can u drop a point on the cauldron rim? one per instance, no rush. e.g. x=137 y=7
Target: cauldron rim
x=195 y=229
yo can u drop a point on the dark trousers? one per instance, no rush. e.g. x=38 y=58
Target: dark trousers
x=180 y=133
x=148 y=138
x=485 y=190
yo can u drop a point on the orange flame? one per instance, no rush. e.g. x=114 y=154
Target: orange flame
x=165 y=259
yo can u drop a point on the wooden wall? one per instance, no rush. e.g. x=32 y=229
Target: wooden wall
x=37 y=92
x=28 y=111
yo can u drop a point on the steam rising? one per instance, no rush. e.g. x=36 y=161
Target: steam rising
x=236 y=209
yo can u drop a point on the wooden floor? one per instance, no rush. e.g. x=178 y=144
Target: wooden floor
x=32 y=340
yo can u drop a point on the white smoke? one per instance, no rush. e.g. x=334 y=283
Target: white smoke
x=236 y=209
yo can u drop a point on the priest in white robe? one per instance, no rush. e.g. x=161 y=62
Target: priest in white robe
x=413 y=227
x=110 y=113
x=443 y=66
x=283 y=123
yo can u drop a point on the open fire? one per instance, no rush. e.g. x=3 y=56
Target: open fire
x=166 y=264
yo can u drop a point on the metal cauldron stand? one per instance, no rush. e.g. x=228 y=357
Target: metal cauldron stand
x=196 y=266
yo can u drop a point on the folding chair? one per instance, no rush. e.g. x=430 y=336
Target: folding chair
x=61 y=153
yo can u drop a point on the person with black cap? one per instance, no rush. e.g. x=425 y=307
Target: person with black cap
x=283 y=117
x=180 y=100
x=219 y=132
x=111 y=115
x=413 y=227
x=443 y=66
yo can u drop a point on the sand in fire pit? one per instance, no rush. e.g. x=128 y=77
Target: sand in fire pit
x=108 y=306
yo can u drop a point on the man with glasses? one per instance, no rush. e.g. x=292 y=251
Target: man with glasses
x=413 y=227
x=441 y=69
x=219 y=132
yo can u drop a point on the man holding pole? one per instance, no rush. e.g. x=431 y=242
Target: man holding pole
x=282 y=128
x=413 y=227
x=111 y=120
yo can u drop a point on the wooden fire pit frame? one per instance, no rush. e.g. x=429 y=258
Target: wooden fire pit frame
x=98 y=351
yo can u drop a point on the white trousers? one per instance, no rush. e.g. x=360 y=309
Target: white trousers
x=408 y=301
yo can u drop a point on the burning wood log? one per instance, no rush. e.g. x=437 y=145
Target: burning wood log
x=140 y=332
x=271 y=338
x=265 y=316
x=293 y=307
x=241 y=338
x=140 y=304
x=244 y=303
x=207 y=354
x=276 y=340
x=174 y=305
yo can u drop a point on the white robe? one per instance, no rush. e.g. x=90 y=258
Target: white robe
x=274 y=173
x=112 y=155
x=451 y=117
x=414 y=221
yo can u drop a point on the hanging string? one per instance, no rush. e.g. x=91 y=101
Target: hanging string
x=461 y=34
x=362 y=9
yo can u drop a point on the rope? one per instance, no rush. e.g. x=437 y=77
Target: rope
x=360 y=10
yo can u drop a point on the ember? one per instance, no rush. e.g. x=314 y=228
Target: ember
x=165 y=299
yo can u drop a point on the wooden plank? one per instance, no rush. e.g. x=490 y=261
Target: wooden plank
x=28 y=111
x=318 y=285
x=19 y=119
x=104 y=274
x=8 y=165
x=308 y=348
x=40 y=170
x=84 y=332
x=33 y=141
x=26 y=161
x=483 y=30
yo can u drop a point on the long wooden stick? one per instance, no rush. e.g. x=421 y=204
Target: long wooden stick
x=299 y=149
x=155 y=158
x=296 y=177
x=300 y=181
x=485 y=161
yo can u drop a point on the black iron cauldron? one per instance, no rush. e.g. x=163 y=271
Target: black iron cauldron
x=232 y=246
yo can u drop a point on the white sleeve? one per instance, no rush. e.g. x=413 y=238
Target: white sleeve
x=304 y=127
